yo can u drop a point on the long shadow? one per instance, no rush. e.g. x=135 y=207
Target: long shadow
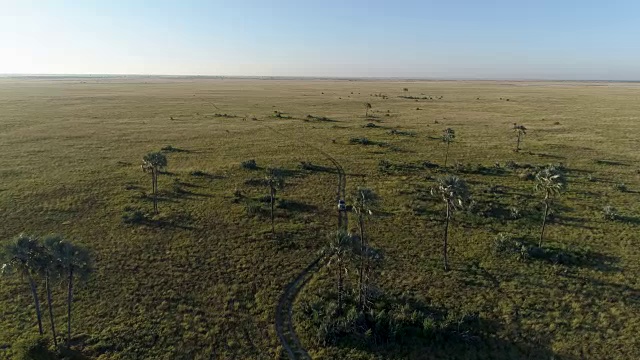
x=611 y=162
x=296 y=206
x=622 y=292
x=206 y=175
x=571 y=257
x=548 y=156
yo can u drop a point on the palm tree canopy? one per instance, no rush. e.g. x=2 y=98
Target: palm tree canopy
x=23 y=254
x=155 y=159
x=448 y=135
x=340 y=244
x=551 y=181
x=519 y=128
x=367 y=105
x=363 y=199
x=274 y=179
x=68 y=257
x=453 y=191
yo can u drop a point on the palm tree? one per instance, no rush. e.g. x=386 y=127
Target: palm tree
x=454 y=192
x=340 y=246
x=23 y=256
x=153 y=163
x=72 y=261
x=49 y=269
x=550 y=182
x=520 y=131
x=406 y=91
x=367 y=106
x=448 y=135
x=275 y=182
x=363 y=200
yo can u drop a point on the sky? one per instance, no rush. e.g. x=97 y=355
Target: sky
x=453 y=39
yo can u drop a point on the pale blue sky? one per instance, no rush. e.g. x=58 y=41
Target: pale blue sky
x=543 y=39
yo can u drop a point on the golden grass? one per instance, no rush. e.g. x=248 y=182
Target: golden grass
x=72 y=147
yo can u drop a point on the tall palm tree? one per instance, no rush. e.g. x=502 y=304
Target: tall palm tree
x=339 y=248
x=448 y=135
x=550 y=182
x=363 y=200
x=275 y=182
x=406 y=91
x=367 y=106
x=23 y=255
x=520 y=131
x=153 y=163
x=74 y=262
x=455 y=193
x=49 y=269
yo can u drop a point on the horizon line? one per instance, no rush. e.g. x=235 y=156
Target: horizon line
x=305 y=77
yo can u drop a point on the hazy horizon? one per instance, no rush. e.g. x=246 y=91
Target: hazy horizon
x=460 y=40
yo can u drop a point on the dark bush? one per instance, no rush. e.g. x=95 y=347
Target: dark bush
x=362 y=141
x=133 y=216
x=620 y=187
x=249 y=164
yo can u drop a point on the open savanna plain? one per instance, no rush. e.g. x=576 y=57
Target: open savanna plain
x=202 y=279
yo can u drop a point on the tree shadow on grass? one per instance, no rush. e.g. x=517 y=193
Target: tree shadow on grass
x=611 y=162
x=296 y=206
x=571 y=257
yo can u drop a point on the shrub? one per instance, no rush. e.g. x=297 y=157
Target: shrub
x=253 y=208
x=620 y=187
x=198 y=173
x=249 y=164
x=511 y=165
x=504 y=244
x=591 y=178
x=362 y=141
x=133 y=216
x=610 y=213
x=527 y=175
x=370 y=125
x=429 y=165
x=33 y=348
x=170 y=148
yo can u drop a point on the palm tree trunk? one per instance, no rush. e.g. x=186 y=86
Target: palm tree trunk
x=340 y=286
x=446 y=156
x=544 y=222
x=49 y=303
x=273 y=229
x=518 y=144
x=69 y=301
x=446 y=238
x=361 y=295
x=155 y=192
x=36 y=301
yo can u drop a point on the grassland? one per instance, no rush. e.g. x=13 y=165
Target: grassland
x=202 y=280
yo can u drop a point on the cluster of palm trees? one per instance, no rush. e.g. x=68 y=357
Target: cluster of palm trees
x=345 y=249
x=550 y=182
x=153 y=163
x=454 y=192
x=52 y=259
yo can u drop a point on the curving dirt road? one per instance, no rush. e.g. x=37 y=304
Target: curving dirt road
x=284 y=309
